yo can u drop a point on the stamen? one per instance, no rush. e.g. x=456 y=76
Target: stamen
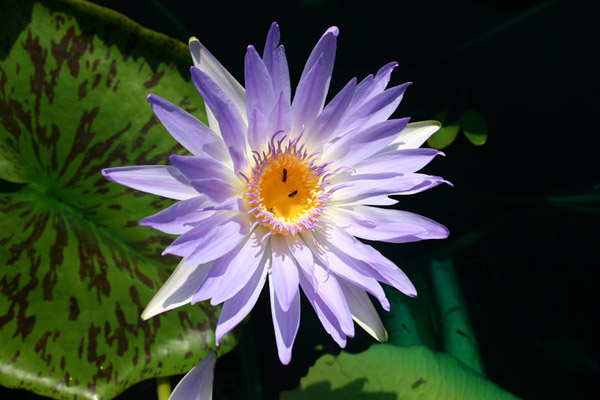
x=266 y=236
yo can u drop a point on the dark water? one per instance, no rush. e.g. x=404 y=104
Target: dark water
x=530 y=193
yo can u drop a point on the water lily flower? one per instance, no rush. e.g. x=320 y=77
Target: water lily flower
x=198 y=383
x=279 y=190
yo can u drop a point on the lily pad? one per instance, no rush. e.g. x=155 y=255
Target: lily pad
x=391 y=372
x=76 y=269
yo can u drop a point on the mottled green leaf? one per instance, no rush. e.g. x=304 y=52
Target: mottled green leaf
x=391 y=372
x=76 y=269
x=475 y=127
x=447 y=133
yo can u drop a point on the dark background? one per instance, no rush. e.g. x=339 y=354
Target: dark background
x=530 y=194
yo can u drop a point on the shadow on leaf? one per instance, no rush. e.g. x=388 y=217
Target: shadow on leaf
x=352 y=390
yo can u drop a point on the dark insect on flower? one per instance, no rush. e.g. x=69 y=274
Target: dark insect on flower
x=292 y=194
x=284 y=176
x=271 y=210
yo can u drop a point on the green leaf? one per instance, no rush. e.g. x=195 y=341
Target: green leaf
x=410 y=320
x=452 y=316
x=389 y=372
x=447 y=133
x=76 y=269
x=475 y=127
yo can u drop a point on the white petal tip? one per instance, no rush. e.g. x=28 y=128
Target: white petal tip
x=385 y=304
x=408 y=289
x=334 y=30
x=384 y=338
x=286 y=357
x=374 y=328
x=147 y=314
x=427 y=123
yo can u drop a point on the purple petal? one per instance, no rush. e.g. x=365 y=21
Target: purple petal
x=181 y=216
x=328 y=119
x=365 y=187
x=373 y=201
x=271 y=44
x=301 y=252
x=382 y=269
x=257 y=130
x=187 y=243
x=376 y=110
x=363 y=312
x=276 y=62
x=178 y=290
x=319 y=254
x=230 y=273
x=284 y=272
x=209 y=287
x=286 y=323
x=280 y=118
x=310 y=97
x=216 y=189
x=259 y=88
x=387 y=225
x=237 y=307
x=314 y=82
x=190 y=132
x=398 y=161
x=208 y=176
x=198 y=383
x=344 y=267
x=161 y=180
x=221 y=240
x=240 y=265
x=415 y=134
x=371 y=87
x=325 y=48
x=325 y=286
x=215 y=237
x=327 y=318
x=330 y=292
x=198 y=167
x=351 y=149
x=232 y=126
x=393 y=276
x=207 y=63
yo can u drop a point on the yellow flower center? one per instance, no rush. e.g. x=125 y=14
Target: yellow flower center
x=286 y=189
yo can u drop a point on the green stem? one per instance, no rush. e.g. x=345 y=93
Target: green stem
x=163 y=387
